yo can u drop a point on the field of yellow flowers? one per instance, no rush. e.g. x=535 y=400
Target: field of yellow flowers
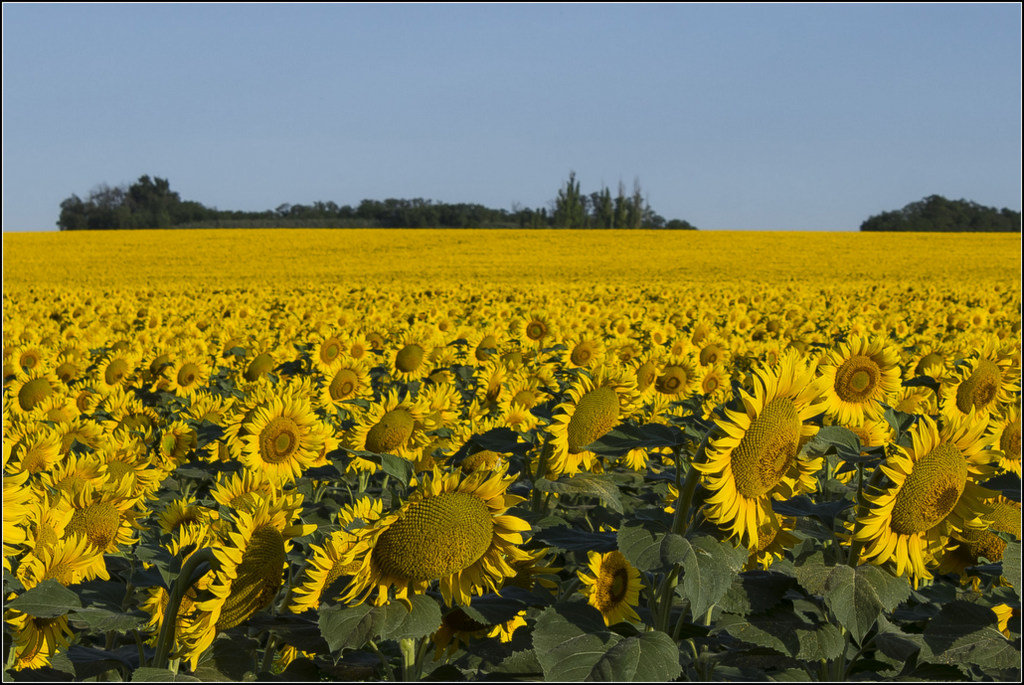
x=517 y=455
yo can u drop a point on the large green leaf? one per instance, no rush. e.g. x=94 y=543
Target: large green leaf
x=855 y=596
x=648 y=657
x=755 y=591
x=399 y=622
x=48 y=599
x=566 y=651
x=349 y=627
x=101 y=620
x=147 y=674
x=964 y=633
x=785 y=631
x=709 y=567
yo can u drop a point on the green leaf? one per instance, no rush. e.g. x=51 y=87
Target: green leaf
x=398 y=468
x=755 y=591
x=1011 y=565
x=101 y=620
x=648 y=657
x=641 y=547
x=147 y=674
x=710 y=567
x=48 y=599
x=232 y=656
x=787 y=632
x=855 y=596
x=399 y=622
x=588 y=485
x=349 y=627
x=963 y=634
x=565 y=651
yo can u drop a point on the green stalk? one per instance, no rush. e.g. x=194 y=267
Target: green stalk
x=268 y=655
x=682 y=518
x=191 y=572
x=408 y=647
x=542 y=470
x=862 y=509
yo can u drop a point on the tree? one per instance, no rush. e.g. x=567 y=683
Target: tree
x=936 y=213
x=570 y=205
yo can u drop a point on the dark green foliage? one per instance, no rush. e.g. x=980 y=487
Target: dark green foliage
x=936 y=213
x=150 y=203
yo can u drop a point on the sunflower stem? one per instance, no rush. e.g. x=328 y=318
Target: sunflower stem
x=408 y=647
x=542 y=469
x=268 y=655
x=862 y=509
x=686 y=490
x=383 y=660
x=191 y=571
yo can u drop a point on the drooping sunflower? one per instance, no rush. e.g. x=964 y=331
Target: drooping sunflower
x=856 y=378
x=758 y=459
x=933 y=493
x=251 y=560
x=985 y=382
x=595 y=405
x=971 y=545
x=454 y=530
x=390 y=427
x=1003 y=436
x=612 y=586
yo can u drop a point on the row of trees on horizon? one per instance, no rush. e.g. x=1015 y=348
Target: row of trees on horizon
x=150 y=203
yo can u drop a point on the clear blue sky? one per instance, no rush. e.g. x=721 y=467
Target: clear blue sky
x=732 y=116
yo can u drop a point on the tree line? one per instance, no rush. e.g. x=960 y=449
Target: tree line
x=936 y=213
x=150 y=203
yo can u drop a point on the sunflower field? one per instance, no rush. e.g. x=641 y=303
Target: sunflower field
x=545 y=455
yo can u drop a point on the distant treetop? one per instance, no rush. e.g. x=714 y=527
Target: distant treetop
x=150 y=203
x=936 y=213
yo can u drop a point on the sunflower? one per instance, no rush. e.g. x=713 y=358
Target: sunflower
x=612 y=586
x=774 y=537
x=105 y=517
x=28 y=391
x=758 y=459
x=490 y=381
x=251 y=559
x=410 y=361
x=971 y=545
x=534 y=329
x=581 y=351
x=459 y=629
x=482 y=344
x=116 y=369
x=282 y=438
x=183 y=512
x=856 y=377
x=186 y=377
x=18 y=501
x=933 y=494
x=36 y=449
x=454 y=529
x=679 y=378
x=241 y=490
x=985 y=382
x=347 y=379
x=391 y=427
x=595 y=405
x=1003 y=436
x=327 y=351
